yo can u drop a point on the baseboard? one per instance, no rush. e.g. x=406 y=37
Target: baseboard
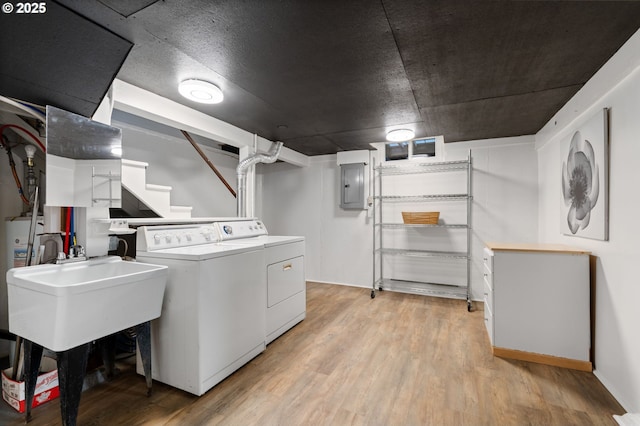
x=614 y=391
x=369 y=287
x=557 y=361
x=343 y=284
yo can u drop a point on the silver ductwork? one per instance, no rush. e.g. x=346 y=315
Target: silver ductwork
x=243 y=168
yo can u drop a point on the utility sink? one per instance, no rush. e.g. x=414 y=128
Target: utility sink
x=63 y=306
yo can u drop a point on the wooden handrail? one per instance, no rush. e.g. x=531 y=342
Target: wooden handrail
x=206 y=160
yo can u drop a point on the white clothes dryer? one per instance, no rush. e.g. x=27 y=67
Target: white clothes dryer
x=213 y=318
x=286 y=303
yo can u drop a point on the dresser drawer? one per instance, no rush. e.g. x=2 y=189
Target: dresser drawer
x=487 y=276
x=488 y=304
x=488 y=315
x=488 y=294
x=488 y=323
x=487 y=258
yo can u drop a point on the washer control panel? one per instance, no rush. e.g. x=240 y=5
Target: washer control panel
x=233 y=230
x=152 y=238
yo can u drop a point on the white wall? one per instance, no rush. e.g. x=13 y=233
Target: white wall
x=304 y=201
x=505 y=195
x=617 y=294
x=174 y=162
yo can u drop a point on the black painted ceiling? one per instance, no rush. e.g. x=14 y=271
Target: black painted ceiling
x=332 y=75
x=57 y=57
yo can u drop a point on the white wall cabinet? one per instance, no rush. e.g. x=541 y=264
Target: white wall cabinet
x=537 y=303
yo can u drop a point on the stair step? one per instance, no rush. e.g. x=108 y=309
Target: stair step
x=155 y=197
x=181 y=208
x=133 y=163
x=134 y=175
x=180 y=212
x=159 y=188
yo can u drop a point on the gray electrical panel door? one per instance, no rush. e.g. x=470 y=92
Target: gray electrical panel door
x=352 y=186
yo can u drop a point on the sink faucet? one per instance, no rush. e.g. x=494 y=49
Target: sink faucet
x=76 y=254
x=77 y=250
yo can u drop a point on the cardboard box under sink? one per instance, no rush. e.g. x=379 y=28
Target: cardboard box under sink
x=13 y=391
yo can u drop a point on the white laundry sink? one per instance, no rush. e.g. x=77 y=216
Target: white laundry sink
x=63 y=306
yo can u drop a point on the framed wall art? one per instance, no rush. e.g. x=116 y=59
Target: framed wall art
x=585 y=186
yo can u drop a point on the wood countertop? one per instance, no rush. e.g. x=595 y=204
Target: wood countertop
x=535 y=247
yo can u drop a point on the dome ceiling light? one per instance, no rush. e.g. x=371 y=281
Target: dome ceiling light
x=400 y=135
x=201 y=91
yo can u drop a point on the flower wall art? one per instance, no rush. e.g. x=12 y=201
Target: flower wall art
x=585 y=171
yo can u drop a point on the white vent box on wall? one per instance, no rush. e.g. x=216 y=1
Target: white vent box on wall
x=351 y=157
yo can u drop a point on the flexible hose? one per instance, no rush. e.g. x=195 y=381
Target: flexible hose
x=242 y=169
x=15 y=126
x=12 y=164
x=126 y=248
x=6 y=147
x=17 y=179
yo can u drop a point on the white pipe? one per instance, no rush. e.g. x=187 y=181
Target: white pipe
x=40 y=116
x=243 y=168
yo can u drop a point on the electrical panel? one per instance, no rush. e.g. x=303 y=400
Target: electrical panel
x=352 y=186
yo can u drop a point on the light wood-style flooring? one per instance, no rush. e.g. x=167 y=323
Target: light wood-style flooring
x=394 y=360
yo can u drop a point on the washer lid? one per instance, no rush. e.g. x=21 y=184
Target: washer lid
x=200 y=252
x=268 y=240
x=276 y=240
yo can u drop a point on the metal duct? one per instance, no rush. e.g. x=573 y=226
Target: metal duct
x=243 y=168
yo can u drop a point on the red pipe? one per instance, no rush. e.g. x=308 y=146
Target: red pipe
x=67 y=230
x=35 y=139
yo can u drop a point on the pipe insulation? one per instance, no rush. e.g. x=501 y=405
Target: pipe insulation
x=243 y=168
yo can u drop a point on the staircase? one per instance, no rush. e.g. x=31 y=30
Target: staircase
x=155 y=197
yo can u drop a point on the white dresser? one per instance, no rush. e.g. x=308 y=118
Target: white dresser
x=537 y=303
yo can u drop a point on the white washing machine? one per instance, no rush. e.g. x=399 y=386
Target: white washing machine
x=213 y=318
x=286 y=303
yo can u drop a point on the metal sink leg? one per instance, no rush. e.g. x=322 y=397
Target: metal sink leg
x=143 y=333
x=72 y=366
